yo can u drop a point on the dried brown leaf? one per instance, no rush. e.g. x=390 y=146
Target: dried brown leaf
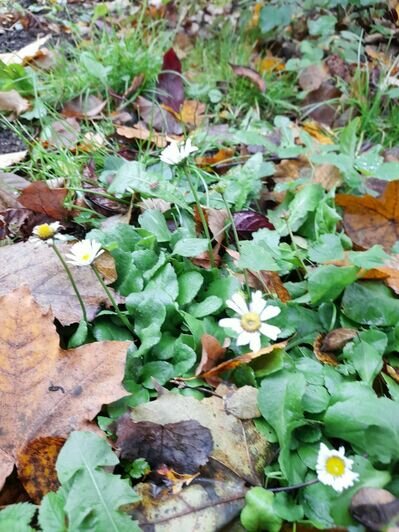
x=311 y=77
x=25 y=54
x=12 y=101
x=322 y=356
x=38 y=197
x=335 y=340
x=251 y=74
x=8 y=159
x=45 y=390
x=83 y=107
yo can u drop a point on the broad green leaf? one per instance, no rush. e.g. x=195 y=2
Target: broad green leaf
x=365 y=353
x=254 y=256
x=189 y=286
x=130 y=176
x=190 y=247
x=305 y=200
x=368 y=422
x=106 y=329
x=159 y=370
x=17 y=517
x=280 y=403
x=79 y=336
x=328 y=247
x=323 y=25
x=154 y=221
x=206 y=307
x=52 y=516
x=259 y=512
x=149 y=315
x=286 y=508
x=93 y=496
x=315 y=399
x=184 y=358
x=371 y=303
x=326 y=283
x=372 y=258
x=393 y=387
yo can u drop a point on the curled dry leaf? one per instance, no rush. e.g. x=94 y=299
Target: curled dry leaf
x=24 y=263
x=251 y=74
x=219 y=158
x=323 y=135
x=184 y=446
x=140 y=132
x=212 y=352
x=337 y=339
x=46 y=390
x=323 y=356
x=237 y=361
x=175 y=481
x=376 y=509
x=192 y=113
x=83 y=107
x=12 y=101
x=25 y=54
x=38 y=197
x=368 y=220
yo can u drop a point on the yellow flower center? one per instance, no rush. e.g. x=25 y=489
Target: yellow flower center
x=86 y=256
x=250 y=321
x=335 y=466
x=44 y=231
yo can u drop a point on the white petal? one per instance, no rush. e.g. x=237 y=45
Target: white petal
x=258 y=303
x=238 y=304
x=271 y=331
x=244 y=338
x=255 y=344
x=270 y=312
x=231 y=323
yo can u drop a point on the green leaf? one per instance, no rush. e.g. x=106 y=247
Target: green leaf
x=387 y=171
x=372 y=258
x=190 y=247
x=305 y=201
x=365 y=353
x=328 y=247
x=159 y=370
x=52 y=516
x=323 y=25
x=326 y=283
x=371 y=303
x=130 y=176
x=105 y=329
x=149 y=315
x=316 y=500
x=315 y=399
x=368 y=422
x=17 y=517
x=206 y=307
x=189 y=286
x=280 y=403
x=79 y=336
x=254 y=256
x=259 y=512
x=154 y=221
x=93 y=496
x=184 y=358
x=274 y=16
x=286 y=508
x=393 y=387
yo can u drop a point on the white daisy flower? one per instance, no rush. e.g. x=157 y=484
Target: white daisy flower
x=45 y=231
x=250 y=325
x=335 y=469
x=177 y=152
x=83 y=253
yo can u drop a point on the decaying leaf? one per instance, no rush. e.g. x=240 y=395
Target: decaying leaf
x=83 y=107
x=140 y=132
x=209 y=503
x=251 y=74
x=222 y=156
x=248 y=222
x=242 y=403
x=322 y=134
x=336 y=340
x=38 y=197
x=12 y=101
x=238 y=361
x=8 y=159
x=36 y=466
x=170 y=83
x=323 y=356
x=175 y=480
x=45 y=390
x=369 y=220
x=25 y=54
x=320 y=103
x=212 y=352
x=192 y=113
x=327 y=175
x=376 y=509
x=155 y=116
x=236 y=444
x=184 y=446
x=311 y=77
x=41 y=270
x=62 y=134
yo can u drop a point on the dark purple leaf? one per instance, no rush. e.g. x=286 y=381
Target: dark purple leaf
x=157 y=117
x=182 y=446
x=170 y=85
x=247 y=222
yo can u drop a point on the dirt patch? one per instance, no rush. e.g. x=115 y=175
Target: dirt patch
x=9 y=141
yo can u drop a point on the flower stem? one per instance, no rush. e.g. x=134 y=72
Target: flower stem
x=121 y=316
x=202 y=218
x=236 y=239
x=72 y=281
x=294 y=486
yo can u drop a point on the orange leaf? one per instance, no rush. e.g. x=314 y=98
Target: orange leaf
x=221 y=156
x=238 y=361
x=38 y=197
x=270 y=64
x=369 y=220
x=192 y=113
x=212 y=352
x=36 y=466
x=46 y=390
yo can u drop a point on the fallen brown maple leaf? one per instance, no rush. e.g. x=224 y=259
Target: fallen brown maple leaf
x=369 y=220
x=45 y=390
